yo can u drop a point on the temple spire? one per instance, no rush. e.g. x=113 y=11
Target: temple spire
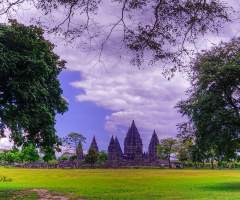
x=153 y=144
x=94 y=143
x=112 y=151
x=133 y=147
x=118 y=148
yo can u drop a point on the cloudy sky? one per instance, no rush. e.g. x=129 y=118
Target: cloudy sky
x=105 y=97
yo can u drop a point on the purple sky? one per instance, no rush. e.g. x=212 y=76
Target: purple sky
x=105 y=98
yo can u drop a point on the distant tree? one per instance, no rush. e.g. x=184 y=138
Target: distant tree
x=103 y=157
x=66 y=154
x=30 y=93
x=49 y=154
x=64 y=158
x=11 y=155
x=92 y=156
x=185 y=141
x=73 y=157
x=29 y=153
x=74 y=140
x=166 y=147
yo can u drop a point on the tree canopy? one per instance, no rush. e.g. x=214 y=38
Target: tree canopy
x=30 y=93
x=150 y=30
x=92 y=156
x=213 y=105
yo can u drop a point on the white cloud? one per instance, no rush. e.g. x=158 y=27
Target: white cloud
x=143 y=95
x=5 y=142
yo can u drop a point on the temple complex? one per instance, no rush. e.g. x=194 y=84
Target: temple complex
x=133 y=151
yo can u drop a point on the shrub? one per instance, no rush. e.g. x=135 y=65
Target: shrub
x=64 y=158
x=53 y=162
x=74 y=157
x=81 y=163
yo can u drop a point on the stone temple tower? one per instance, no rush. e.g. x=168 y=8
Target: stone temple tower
x=112 y=151
x=94 y=143
x=118 y=148
x=152 y=149
x=133 y=147
x=80 y=152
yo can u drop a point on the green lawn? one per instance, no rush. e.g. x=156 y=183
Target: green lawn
x=128 y=183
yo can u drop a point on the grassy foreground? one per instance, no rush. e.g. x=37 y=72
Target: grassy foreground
x=127 y=183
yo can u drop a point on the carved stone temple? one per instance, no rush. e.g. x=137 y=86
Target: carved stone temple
x=133 y=151
x=94 y=143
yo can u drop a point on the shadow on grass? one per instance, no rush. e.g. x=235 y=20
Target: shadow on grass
x=223 y=187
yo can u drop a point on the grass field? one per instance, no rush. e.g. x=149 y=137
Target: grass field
x=124 y=184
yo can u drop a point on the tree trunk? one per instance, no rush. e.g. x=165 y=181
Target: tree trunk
x=212 y=163
x=234 y=163
x=170 y=166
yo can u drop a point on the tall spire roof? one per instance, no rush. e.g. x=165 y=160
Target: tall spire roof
x=118 y=148
x=133 y=133
x=94 y=143
x=153 y=144
x=112 y=151
x=133 y=146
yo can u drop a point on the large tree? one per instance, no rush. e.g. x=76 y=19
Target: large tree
x=160 y=29
x=30 y=93
x=213 y=104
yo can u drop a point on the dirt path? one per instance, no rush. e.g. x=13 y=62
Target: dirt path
x=45 y=194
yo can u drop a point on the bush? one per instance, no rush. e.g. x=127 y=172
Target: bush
x=53 y=162
x=81 y=163
x=3 y=163
x=74 y=157
x=64 y=158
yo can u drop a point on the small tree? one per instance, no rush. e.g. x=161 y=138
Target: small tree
x=103 y=157
x=166 y=147
x=92 y=156
x=75 y=141
x=29 y=154
x=64 y=158
x=11 y=155
x=49 y=154
x=73 y=157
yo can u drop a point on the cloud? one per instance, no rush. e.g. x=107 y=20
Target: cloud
x=5 y=142
x=141 y=95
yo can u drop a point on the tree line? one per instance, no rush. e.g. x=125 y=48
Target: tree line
x=73 y=140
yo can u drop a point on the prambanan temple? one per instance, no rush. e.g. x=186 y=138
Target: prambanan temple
x=133 y=150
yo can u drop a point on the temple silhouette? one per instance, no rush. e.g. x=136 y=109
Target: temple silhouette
x=133 y=150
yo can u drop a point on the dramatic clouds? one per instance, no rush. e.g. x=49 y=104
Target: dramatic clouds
x=143 y=95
